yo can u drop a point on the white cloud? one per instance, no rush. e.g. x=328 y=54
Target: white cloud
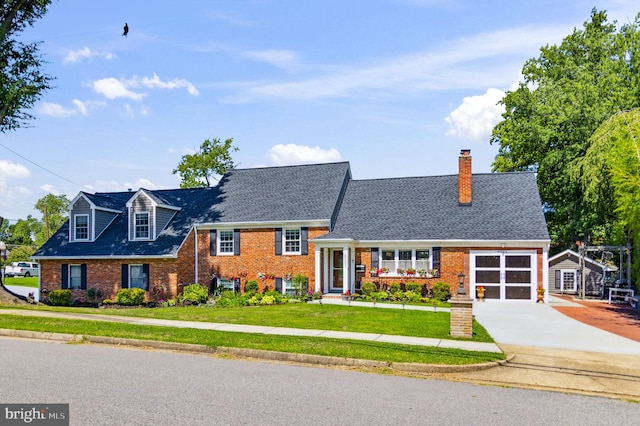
x=74 y=56
x=476 y=117
x=115 y=186
x=112 y=88
x=484 y=60
x=50 y=189
x=177 y=83
x=13 y=198
x=9 y=171
x=276 y=57
x=281 y=155
x=57 y=110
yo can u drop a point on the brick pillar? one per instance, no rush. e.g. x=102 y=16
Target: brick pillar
x=461 y=323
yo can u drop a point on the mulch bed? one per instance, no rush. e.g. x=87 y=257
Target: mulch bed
x=620 y=319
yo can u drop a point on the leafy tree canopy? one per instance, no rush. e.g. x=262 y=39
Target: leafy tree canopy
x=213 y=158
x=21 y=80
x=566 y=93
x=20 y=254
x=54 y=213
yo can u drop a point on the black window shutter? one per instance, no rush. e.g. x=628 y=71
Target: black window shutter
x=212 y=242
x=236 y=242
x=125 y=275
x=279 y=284
x=558 y=279
x=375 y=257
x=436 y=259
x=145 y=274
x=65 y=275
x=83 y=276
x=278 y=241
x=304 y=241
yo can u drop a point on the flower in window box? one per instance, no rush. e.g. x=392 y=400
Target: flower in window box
x=384 y=270
x=400 y=271
x=373 y=272
x=287 y=277
x=411 y=271
x=434 y=273
x=271 y=276
x=262 y=275
x=423 y=273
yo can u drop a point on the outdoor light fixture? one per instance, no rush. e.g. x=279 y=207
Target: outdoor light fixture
x=461 y=282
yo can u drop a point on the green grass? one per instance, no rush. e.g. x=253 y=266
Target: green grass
x=307 y=316
x=22 y=281
x=304 y=345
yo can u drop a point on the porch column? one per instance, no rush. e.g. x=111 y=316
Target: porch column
x=545 y=273
x=325 y=277
x=346 y=270
x=318 y=268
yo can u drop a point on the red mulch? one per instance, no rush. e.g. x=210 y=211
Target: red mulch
x=620 y=319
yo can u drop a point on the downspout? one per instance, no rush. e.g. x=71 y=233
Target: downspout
x=195 y=231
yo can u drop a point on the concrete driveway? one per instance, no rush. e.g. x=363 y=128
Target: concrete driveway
x=524 y=323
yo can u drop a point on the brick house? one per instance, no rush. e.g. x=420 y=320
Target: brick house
x=272 y=223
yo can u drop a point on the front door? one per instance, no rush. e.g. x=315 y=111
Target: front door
x=337 y=270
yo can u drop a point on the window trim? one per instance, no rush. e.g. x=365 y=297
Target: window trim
x=145 y=279
x=219 y=242
x=284 y=241
x=393 y=272
x=75 y=227
x=135 y=225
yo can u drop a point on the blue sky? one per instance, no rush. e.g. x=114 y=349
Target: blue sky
x=395 y=87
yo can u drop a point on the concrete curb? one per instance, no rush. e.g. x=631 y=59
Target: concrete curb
x=254 y=353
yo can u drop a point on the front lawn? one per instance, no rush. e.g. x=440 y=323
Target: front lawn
x=22 y=281
x=305 y=345
x=307 y=316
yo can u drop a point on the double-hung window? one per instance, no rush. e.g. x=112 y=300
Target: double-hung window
x=141 y=230
x=75 y=277
x=137 y=277
x=82 y=227
x=226 y=242
x=422 y=260
x=405 y=259
x=388 y=260
x=292 y=241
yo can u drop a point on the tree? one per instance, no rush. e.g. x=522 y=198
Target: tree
x=567 y=92
x=22 y=82
x=54 y=214
x=24 y=231
x=610 y=174
x=213 y=158
x=20 y=253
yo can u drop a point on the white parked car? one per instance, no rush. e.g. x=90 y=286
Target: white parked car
x=22 y=269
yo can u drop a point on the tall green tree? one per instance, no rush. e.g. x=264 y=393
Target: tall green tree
x=22 y=81
x=24 y=231
x=213 y=158
x=54 y=213
x=566 y=93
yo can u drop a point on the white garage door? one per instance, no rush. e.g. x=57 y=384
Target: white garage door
x=504 y=275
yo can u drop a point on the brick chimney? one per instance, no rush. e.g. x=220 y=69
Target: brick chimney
x=465 y=190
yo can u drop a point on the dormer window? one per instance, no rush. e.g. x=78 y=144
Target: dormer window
x=142 y=226
x=82 y=227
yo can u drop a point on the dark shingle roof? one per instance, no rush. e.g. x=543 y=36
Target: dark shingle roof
x=506 y=206
x=307 y=192
x=293 y=193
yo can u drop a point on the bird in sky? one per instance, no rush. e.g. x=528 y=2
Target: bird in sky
x=125 y=29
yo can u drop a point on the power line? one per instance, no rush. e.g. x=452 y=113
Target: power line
x=45 y=169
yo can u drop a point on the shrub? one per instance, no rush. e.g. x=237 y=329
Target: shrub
x=230 y=299
x=195 y=293
x=411 y=296
x=394 y=288
x=368 y=288
x=130 y=296
x=441 y=291
x=277 y=296
x=94 y=294
x=414 y=287
x=60 y=297
x=251 y=287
